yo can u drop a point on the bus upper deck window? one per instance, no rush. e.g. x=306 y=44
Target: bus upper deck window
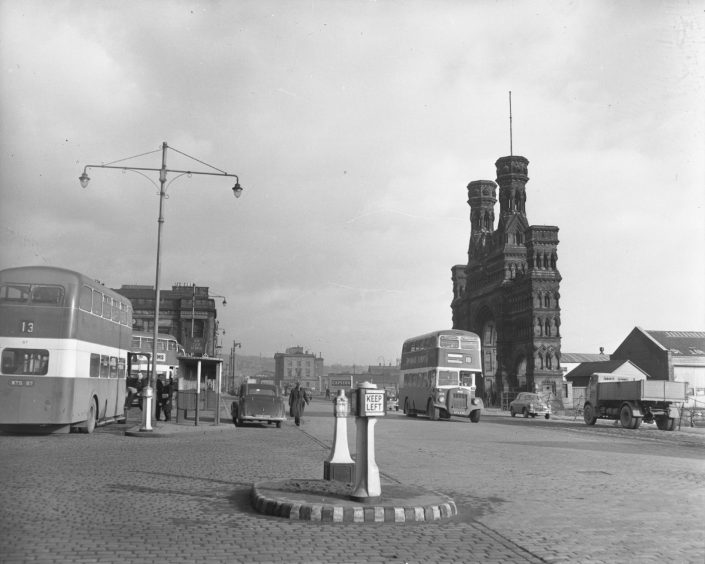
x=14 y=292
x=448 y=342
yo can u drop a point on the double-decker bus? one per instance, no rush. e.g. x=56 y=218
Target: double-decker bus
x=168 y=352
x=64 y=341
x=438 y=375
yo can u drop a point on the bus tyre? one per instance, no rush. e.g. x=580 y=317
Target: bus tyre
x=432 y=411
x=589 y=414
x=92 y=415
x=625 y=417
x=475 y=416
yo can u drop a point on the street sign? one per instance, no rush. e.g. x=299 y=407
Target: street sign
x=373 y=404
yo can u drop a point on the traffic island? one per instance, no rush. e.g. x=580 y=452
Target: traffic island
x=330 y=502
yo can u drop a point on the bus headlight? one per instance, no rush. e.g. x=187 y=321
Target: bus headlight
x=473 y=401
x=441 y=398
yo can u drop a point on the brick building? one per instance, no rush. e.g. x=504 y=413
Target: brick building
x=508 y=292
x=296 y=365
x=667 y=355
x=186 y=312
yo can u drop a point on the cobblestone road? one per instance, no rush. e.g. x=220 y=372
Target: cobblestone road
x=185 y=498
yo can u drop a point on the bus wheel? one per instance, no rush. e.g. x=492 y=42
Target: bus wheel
x=475 y=416
x=90 y=422
x=432 y=411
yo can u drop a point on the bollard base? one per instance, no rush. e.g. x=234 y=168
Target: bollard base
x=366 y=499
x=339 y=471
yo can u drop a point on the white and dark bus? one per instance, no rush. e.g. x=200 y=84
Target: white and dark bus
x=64 y=342
x=439 y=371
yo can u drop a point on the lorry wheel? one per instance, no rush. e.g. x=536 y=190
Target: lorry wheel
x=625 y=417
x=475 y=416
x=636 y=423
x=432 y=411
x=666 y=423
x=589 y=414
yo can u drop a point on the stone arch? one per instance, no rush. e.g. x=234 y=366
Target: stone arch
x=520 y=371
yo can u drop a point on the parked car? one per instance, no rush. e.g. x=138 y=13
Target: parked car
x=258 y=403
x=527 y=404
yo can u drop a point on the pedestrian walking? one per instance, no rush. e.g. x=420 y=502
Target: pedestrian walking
x=298 y=400
x=160 y=391
x=167 y=395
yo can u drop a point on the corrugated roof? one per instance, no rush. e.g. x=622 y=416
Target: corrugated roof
x=680 y=343
x=583 y=357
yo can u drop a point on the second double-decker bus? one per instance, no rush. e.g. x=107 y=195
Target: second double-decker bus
x=64 y=340
x=168 y=352
x=438 y=375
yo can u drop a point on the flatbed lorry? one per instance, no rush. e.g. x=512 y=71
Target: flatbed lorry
x=631 y=399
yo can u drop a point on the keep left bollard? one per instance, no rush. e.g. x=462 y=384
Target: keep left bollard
x=339 y=466
x=371 y=404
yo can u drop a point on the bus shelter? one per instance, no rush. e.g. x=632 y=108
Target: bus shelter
x=198 y=391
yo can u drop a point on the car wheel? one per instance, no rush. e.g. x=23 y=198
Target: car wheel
x=512 y=412
x=475 y=416
x=279 y=424
x=548 y=416
x=533 y=416
x=525 y=412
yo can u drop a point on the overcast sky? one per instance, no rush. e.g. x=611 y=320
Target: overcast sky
x=355 y=127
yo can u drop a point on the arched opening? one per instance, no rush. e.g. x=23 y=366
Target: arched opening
x=489 y=362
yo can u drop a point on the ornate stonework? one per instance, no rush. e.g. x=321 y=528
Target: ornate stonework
x=508 y=292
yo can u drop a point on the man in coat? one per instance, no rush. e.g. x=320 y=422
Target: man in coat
x=298 y=399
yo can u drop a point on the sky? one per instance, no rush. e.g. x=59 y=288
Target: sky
x=354 y=128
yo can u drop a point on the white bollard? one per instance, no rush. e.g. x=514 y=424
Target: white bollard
x=147 y=394
x=339 y=466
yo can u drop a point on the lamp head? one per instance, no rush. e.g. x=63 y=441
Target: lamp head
x=225 y=302
x=237 y=189
x=84 y=179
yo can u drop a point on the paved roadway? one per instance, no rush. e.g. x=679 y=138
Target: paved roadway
x=527 y=491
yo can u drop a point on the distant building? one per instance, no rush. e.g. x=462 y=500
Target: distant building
x=297 y=365
x=667 y=355
x=508 y=292
x=186 y=312
x=571 y=360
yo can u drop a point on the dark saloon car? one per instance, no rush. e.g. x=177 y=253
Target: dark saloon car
x=527 y=404
x=258 y=403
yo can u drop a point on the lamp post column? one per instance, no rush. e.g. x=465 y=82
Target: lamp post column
x=152 y=382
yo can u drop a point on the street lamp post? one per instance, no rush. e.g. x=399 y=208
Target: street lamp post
x=233 y=360
x=237 y=192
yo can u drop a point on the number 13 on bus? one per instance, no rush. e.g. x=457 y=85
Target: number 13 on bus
x=438 y=375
